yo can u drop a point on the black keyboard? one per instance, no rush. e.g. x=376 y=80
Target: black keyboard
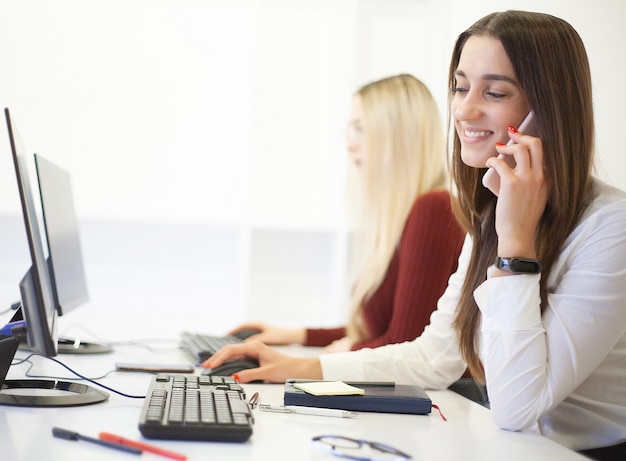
x=201 y=346
x=189 y=407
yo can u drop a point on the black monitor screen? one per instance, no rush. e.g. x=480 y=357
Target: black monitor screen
x=61 y=225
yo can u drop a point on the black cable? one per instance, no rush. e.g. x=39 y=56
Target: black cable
x=28 y=374
x=138 y=342
x=91 y=380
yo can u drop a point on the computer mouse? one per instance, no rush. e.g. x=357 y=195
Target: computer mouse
x=246 y=332
x=231 y=367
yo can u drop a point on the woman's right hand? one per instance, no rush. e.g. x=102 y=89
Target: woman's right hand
x=273 y=367
x=273 y=335
x=340 y=345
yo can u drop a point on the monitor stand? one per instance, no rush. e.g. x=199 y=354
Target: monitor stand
x=40 y=392
x=65 y=345
x=76 y=346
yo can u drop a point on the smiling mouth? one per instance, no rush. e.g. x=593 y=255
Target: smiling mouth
x=476 y=134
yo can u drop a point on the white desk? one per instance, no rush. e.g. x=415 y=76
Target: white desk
x=131 y=300
x=468 y=434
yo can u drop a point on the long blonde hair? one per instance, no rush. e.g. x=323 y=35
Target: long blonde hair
x=405 y=158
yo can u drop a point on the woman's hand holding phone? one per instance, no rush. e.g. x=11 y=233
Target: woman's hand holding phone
x=491 y=179
x=522 y=194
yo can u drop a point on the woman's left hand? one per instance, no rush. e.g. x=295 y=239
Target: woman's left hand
x=522 y=197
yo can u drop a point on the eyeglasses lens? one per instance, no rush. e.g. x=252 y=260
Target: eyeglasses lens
x=361 y=450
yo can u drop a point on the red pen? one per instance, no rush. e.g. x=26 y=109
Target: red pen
x=143 y=446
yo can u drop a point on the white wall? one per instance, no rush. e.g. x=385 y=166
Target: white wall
x=210 y=111
x=160 y=109
x=230 y=114
x=214 y=110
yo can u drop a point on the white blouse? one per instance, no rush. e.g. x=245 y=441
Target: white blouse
x=561 y=373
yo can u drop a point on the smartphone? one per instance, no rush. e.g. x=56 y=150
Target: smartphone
x=491 y=179
x=155 y=367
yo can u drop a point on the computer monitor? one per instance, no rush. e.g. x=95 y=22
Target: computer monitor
x=65 y=261
x=38 y=307
x=69 y=284
x=66 y=272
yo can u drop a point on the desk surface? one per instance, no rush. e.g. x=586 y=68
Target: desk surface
x=468 y=433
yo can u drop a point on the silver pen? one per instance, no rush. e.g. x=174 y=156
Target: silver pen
x=309 y=411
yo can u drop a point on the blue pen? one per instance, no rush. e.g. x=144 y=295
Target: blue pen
x=71 y=435
x=14 y=328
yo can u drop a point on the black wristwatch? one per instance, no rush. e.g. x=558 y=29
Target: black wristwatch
x=519 y=265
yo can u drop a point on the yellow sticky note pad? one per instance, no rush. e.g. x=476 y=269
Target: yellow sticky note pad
x=328 y=388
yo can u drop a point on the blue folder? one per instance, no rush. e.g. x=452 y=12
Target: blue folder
x=378 y=397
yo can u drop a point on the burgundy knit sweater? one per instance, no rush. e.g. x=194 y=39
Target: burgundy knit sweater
x=417 y=276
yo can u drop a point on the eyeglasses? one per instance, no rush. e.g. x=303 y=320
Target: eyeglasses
x=360 y=450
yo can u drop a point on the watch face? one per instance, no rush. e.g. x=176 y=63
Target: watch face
x=524 y=266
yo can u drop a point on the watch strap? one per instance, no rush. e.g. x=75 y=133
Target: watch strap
x=519 y=265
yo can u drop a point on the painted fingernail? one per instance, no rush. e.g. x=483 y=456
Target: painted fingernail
x=235 y=376
x=512 y=129
x=499 y=144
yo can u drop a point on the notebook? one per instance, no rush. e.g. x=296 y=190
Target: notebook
x=377 y=397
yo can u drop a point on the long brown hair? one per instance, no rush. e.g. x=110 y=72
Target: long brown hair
x=551 y=66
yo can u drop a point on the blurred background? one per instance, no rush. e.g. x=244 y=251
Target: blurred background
x=205 y=140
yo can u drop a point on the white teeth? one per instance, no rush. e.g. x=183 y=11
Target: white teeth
x=475 y=134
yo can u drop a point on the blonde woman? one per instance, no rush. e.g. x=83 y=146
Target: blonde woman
x=410 y=240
